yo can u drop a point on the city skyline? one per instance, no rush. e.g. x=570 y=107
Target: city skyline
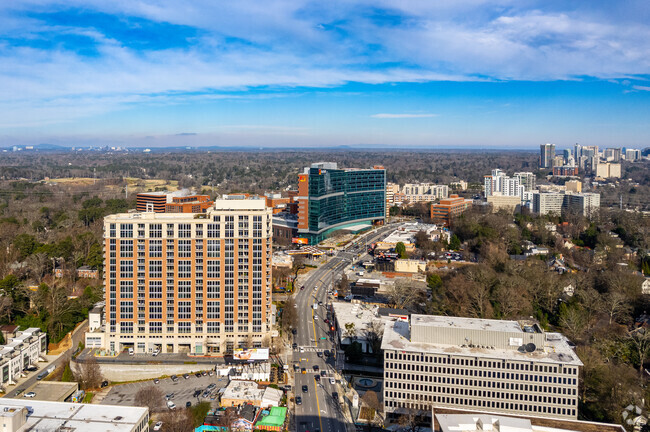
x=473 y=74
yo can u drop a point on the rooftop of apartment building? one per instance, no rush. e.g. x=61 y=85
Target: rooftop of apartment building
x=230 y=203
x=556 y=347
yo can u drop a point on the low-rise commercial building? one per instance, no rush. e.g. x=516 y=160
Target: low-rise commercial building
x=503 y=202
x=249 y=392
x=490 y=365
x=34 y=415
x=20 y=352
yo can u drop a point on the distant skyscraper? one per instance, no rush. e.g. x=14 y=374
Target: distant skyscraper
x=547 y=153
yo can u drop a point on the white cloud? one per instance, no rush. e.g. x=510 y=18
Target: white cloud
x=642 y=88
x=402 y=116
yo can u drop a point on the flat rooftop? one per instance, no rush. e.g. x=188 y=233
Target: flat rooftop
x=53 y=391
x=556 y=350
x=50 y=416
x=466 y=323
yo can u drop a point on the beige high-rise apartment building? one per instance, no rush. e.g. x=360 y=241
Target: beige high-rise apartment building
x=478 y=364
x=189 y=282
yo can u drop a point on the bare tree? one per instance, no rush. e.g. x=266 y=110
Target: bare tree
x=150 y=397
x=178 y=420
x=343 y=286
x=6 y=307
x=289 y=315
x=297 y=265
x=615 y=304
x=373 y=333
x=89 y=375
x=402 y=295
x=413 y=417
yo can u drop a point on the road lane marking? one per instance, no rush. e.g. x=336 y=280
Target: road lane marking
x=320 y=422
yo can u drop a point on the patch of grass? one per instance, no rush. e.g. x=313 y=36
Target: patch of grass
x=89 y=397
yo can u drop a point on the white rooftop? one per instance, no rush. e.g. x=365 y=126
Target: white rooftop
x=466 y=323
x=50 y=416
x=556 y=350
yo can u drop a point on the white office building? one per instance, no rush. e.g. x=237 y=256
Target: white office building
x=488 y=365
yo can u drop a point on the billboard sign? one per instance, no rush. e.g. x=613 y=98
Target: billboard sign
x=300 y=240
x=253 y=354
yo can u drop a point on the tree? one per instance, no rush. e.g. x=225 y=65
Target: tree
x=640 y=341
x=402 y=295
x=67 y=376
x=615 y=305
x=400 y=250
x=350 y=331
x=297 y=265
x=354 y=352
x=89 y=375
x=454 y=243
x=373 y=334
x=434 y=281
x=150 y=397
x=413 y=415
x=289 y=315
x=343 y=286
x=178 y=420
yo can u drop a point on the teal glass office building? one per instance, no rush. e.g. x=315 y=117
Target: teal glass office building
x=343 y=199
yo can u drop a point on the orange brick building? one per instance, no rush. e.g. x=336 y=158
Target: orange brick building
x=189 y=282
x=442 y=212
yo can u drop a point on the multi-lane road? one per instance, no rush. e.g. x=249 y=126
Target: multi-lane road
x=319 y=410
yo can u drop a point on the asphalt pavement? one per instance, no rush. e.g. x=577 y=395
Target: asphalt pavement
x=319 y=410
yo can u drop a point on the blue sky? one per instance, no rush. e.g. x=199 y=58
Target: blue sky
x=434 y=74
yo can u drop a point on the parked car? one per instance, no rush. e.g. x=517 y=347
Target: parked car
x=198 y=374
x=210 y=373
x=131 y=352
x=186 y=376
x=332 y=381
x=158 y=426
x=174 y=378
x=196 y=393
x=188 y=404
x=30 y=394
x=171 y=405
x=155 y=353
x=156 y=381
x=204 y=373
x=19 y=391
x=104 y=384
x=169 y=396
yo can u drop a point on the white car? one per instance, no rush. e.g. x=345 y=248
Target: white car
x=302 y=349
x=332 y=381
x=156 y=352
x=157 y=426
x=171 y=405
x=30 y=394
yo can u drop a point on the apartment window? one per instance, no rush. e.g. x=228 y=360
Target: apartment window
x=155 y=269
x=126 y=230
x=155 y=248
x=213 y=310
x=184 y=289
x=212 y=289
x=126 y=327
x=185 y=248
x=185 y=269
x=213 y=269
x=126 y=269
x=213 y=230
x=155 y=230
x=184 y=310
x=199 y=230
x=155 y=310
x=184 y=230
x=170 y=230
x=111 y=231
x=155 y=289
x=213 y=327
x=126 y=248
x=126 y=310
x=155 y=327
x=214 y=247
x=126 y=289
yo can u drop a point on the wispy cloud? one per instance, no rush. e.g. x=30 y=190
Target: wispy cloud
x=402 y=116
x=127 y=53
x=641 y=88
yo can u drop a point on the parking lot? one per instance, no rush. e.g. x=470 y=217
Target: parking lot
x=183 y=390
